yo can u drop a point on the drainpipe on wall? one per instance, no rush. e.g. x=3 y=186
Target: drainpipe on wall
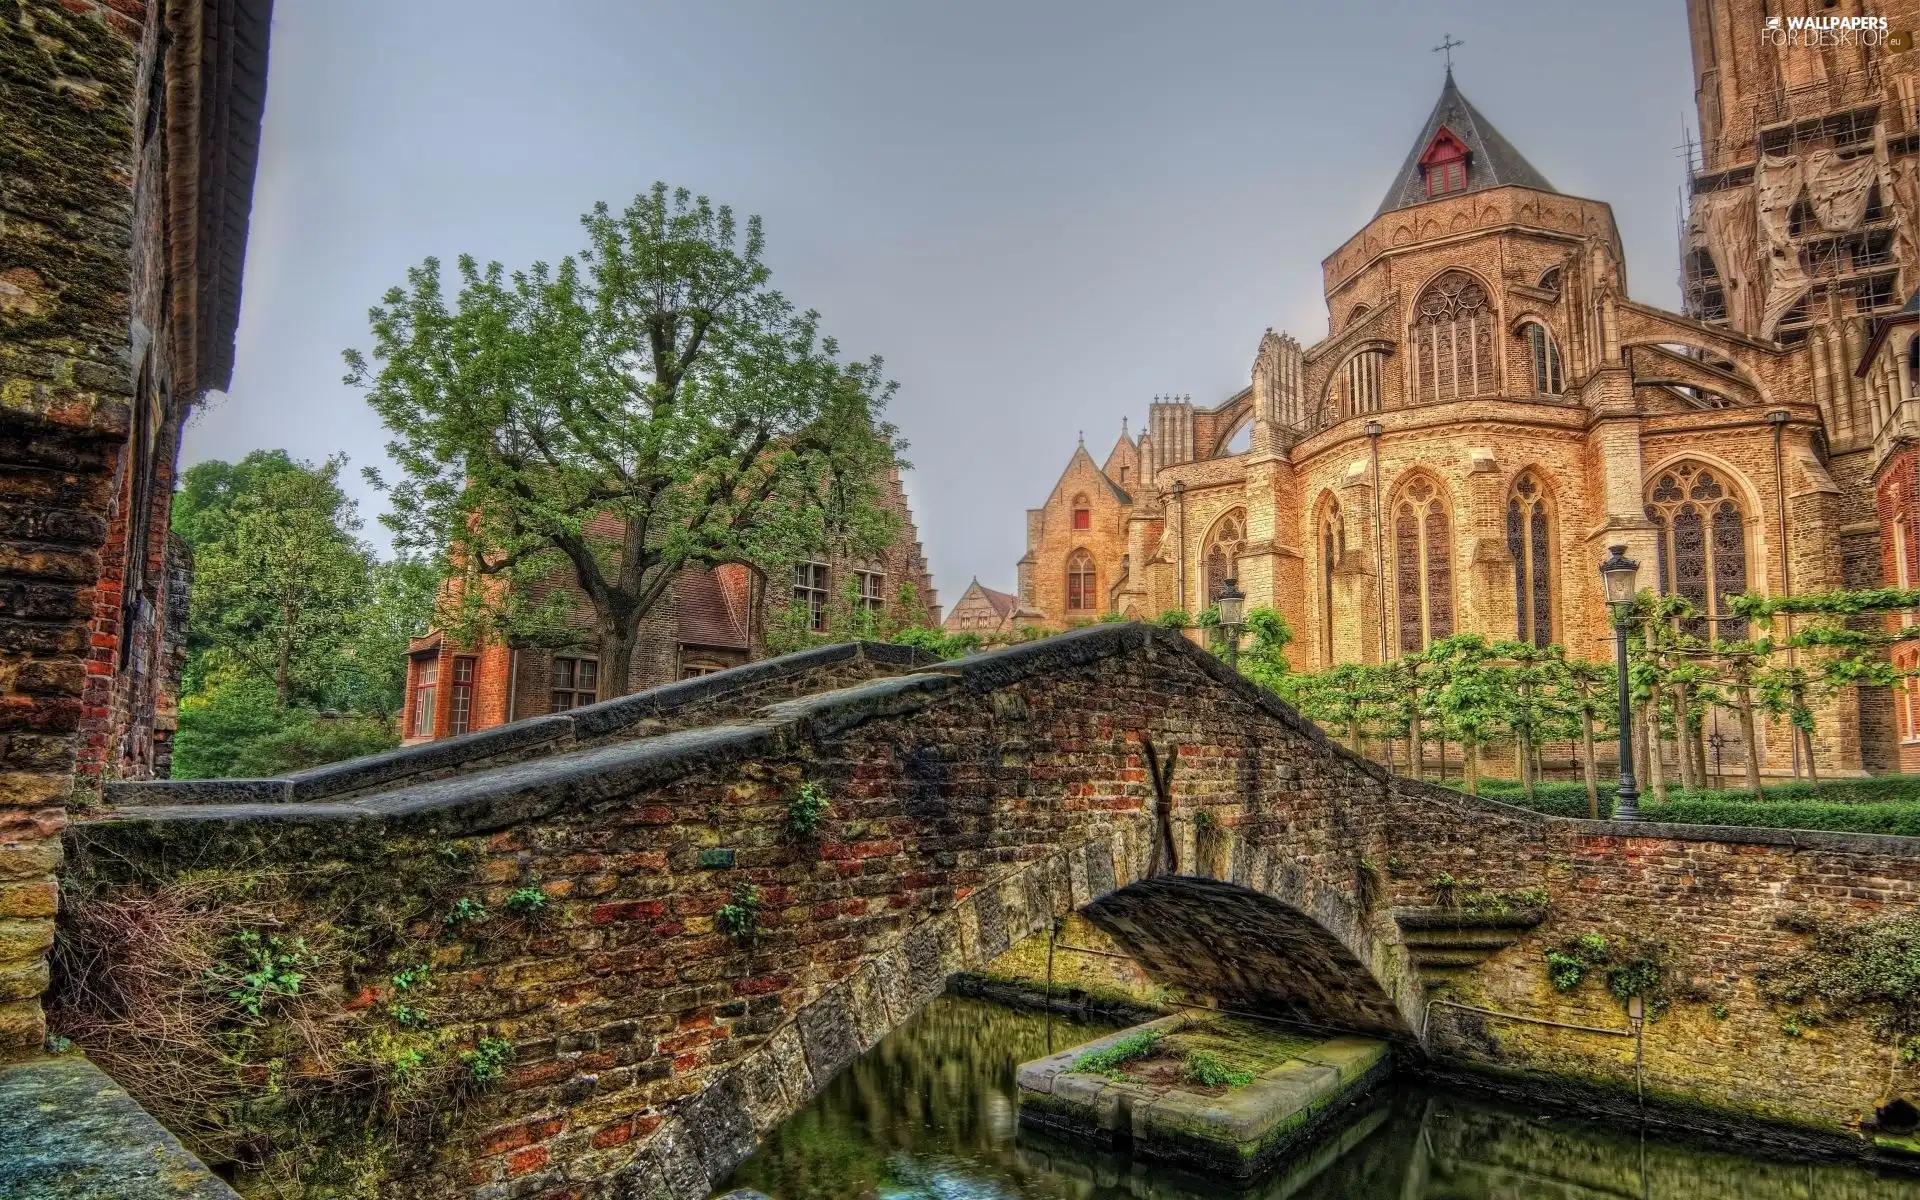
x=1778 y=418
x=513 y=680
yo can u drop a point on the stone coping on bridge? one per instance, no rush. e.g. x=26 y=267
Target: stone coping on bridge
x=494 y=797
x=531 y=734
x=69 y=1132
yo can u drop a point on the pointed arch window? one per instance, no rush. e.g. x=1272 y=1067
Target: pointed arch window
x=1550 y=280
x=1359 y=383
x=1529 y=540
x=1082 y=515
x=1080 y=580
x=1545 y=356
x=1224 y=544
x=1453 y=339
x=1423 y=568
x=1700 y=533
x=1333 y=546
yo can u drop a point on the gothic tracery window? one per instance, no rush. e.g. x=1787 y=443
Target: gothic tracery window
x=1333 y=545
x=1422 y=564
x=1224 y=544
x=1545 y=356
x=1528 y=541
x=1453 y=339
x=1080 y=590
x=1359 y=384
x=1701 y=536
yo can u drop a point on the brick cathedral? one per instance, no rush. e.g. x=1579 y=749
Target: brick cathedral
x=1491 y=408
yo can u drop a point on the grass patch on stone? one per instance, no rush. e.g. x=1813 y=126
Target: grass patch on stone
x=1244 y=1047
x=1109 y=1059
x=1208 y=1071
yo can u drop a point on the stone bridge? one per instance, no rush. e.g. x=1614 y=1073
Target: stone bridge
x=569 y=883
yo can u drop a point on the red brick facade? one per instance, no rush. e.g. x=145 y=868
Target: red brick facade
x=708 y=621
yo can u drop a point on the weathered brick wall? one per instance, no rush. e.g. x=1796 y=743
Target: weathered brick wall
x=67 y=77
x=970 y=804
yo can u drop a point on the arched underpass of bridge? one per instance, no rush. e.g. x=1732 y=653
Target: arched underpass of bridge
x=1250 y=952
x=596 y=957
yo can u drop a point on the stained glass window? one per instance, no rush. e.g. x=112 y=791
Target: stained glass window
x=1528 y=541
x=1080 y=593
x=1333 y=544
x=1224 y=545
x=1700 y=534
x=1452 y=340
x=1422 y=563
x=1547 y=380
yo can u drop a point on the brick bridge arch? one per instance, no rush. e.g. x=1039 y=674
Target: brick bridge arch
x=972 y=802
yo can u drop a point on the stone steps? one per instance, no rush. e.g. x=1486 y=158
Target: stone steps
x=1446 y=942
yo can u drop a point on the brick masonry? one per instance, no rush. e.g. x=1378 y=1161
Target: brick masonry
x=970 y=803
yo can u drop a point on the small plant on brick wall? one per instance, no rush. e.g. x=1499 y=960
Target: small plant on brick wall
x=740 y=916
x=487 y=1062
x=807 y=809
x=526 y=903
x=465 y=911
x=1631 y=967
x=264 y=968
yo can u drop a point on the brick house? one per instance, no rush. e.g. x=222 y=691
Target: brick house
x=1489 y=410
x=987 y=614
x=131 y=133
x=711 y=619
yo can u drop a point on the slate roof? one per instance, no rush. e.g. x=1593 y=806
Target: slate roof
x=1002 y=602
x=1492 y=161
x=706 y=616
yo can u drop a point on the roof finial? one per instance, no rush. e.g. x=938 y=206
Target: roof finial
x=1123 y=425
x=1447 y=43
x=1083 y=439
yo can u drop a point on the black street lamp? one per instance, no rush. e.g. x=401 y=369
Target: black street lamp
x=1618 y=572
x=1232 y=606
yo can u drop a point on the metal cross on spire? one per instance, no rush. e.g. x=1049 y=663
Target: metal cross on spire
x=1447 y=43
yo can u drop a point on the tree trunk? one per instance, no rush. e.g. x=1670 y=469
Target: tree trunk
x=1415 y=751
x=1697 y=739
x=1656 y=770
x=1586 y=763
x=1473 y=768
x=1751 y=737
x=616 y=660
x=1682 y=740
x=1443 y=760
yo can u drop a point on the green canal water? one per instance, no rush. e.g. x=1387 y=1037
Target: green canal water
x=930 y=1114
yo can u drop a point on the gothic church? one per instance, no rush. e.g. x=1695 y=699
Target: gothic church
x=1491 y=409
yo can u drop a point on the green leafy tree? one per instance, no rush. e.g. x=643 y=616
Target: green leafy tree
x=280 y=579
x=238 y=728
x=1473 y=699
x=649 y=405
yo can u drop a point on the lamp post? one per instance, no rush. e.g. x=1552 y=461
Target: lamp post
x=1618 y=573
x=1232 y=616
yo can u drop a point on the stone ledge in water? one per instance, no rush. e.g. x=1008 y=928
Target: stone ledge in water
x=1241 y=1131
x=68 y=1131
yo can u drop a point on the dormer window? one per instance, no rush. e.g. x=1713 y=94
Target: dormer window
x=1444 y=164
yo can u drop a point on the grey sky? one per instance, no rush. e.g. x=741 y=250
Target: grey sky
x=1040 y=213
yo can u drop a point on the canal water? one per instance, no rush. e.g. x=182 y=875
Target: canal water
x=930 y=1114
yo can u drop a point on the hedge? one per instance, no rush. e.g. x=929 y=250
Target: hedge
x=1788 y=806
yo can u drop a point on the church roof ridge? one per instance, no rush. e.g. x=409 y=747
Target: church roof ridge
x=1494 y=161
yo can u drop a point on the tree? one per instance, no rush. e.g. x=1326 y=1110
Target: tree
x=280 y=580
x=650 y=405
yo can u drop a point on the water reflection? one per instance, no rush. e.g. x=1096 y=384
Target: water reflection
x=930 y=1114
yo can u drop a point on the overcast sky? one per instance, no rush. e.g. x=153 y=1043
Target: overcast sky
x=1040 y=213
